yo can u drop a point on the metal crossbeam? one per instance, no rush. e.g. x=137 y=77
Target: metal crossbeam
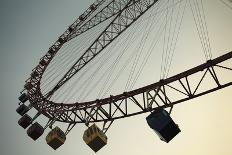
x=113 y=8
x=131 y=103
x=128 y=15
x=157 y=95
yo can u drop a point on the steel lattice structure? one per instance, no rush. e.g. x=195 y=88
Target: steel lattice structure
x=148 y=98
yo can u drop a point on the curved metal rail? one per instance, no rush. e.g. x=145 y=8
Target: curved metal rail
x=157 y=95
x=151 y=97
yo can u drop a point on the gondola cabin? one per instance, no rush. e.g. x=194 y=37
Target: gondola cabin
x=161 y=122
x=92 y=7
x=43 y=62
x=35 y=131
x=61 y=40
x=94 y=138
x=81 y=18
x=23 y=98
x=25 y=121
x=22 y=109
x=28 y=86
x=51 y=51
x=70 y=29
x=55 y=138
x=34 y=74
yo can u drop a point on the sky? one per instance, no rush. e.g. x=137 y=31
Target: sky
x=28 y=29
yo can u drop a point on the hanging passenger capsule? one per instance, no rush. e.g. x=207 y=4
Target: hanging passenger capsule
x=35 y=131
x=161 y=122
x=70 y=29
x=34 y=74
x=22 y=109
x=28 y=86
x=55 y=138
x=94 y=138
x=51 y=51
x=23 y=98
x=81 y=18
x=92 y=7
x=43 y=62
x=25 y=121
x=61 y=40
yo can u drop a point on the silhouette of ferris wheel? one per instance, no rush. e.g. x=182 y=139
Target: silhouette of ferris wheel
x=114 y=25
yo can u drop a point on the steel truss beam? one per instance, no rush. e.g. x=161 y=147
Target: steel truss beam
x=129 y=14
x=131 y=103
x=113 y=8
x=58 y=44
x=126 y=16
x=151 y=97
x=74 y=27
x=86 y=14
x=163 y=94
x=160 y=94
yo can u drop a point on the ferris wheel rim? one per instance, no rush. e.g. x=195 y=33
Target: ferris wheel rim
x=103 y=101
x=46 y=106
x=55 y=48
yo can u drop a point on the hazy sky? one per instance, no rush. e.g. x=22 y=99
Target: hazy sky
x=28 y=29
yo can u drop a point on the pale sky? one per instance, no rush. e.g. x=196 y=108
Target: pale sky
x=28 y=29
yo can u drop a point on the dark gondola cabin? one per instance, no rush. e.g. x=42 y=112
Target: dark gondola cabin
x=51 y=51
x=161 y=122
x=81 y=18
x=94 y=138
x=22 y=109
x=23 y=98
x=35 y=131
x=43 y=62
x=28 y=86
x=70 y=29
x=61 y=40
x=25 y=121
x=55 y=138
x=92 y=7
x=34 y=74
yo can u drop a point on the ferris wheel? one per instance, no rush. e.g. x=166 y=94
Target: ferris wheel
x=81 y=63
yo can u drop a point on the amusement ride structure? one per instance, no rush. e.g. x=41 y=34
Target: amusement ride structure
x=118 y=16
